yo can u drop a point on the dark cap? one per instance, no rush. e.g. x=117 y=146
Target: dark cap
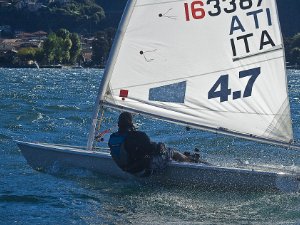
x=125 y=120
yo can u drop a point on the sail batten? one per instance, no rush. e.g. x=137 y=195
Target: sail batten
x=276 y=48
x=198 y=108
x=204 y=74
x=217 y=66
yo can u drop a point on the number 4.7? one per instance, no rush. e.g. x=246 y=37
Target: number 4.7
x=221 y=88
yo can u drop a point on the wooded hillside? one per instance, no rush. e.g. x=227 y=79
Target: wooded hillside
x=89 y=16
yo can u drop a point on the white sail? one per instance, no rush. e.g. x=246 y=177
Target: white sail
x=214 y=64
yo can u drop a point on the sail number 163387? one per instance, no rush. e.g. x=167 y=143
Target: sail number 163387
x=221 y=88
x=196 y=11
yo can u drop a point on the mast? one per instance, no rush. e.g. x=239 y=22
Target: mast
x=109 y=69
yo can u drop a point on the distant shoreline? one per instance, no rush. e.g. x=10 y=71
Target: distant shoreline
x=60 y=68
x=50 y=67
x=295 y=67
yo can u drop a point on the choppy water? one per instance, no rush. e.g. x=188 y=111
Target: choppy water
x=55 y=106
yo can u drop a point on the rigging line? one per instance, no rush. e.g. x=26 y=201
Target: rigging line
x=145 y=57
x=158 y=3
x=193 y=76
x=197 y=109
x=276 y=48
x=100 y=120
x=167 y=12
x=168 y=16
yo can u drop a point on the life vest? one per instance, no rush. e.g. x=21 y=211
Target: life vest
x=117 y=150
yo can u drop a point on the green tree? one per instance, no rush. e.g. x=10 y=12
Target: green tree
x=49 y=48
x=75 y=50
x=58 y=50
x=39 y=55
x=62 y=50
x=295 y=56
x=26 y=54
x=292 y=46
x=63 y=33
x=61 y=47
x=100 y=49
x=66 y=46
x=95 y=18
x=110 y=35
x=73 y=15
x=295 y=41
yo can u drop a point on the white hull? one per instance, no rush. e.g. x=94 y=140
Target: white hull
x=43 y=156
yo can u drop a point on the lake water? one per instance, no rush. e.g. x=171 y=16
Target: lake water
x=55 y=106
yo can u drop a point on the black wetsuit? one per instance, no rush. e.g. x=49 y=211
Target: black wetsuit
x=137 y=148
x=140 y=151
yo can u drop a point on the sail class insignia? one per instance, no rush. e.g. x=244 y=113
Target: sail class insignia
x=174 y=93
x=123 y=94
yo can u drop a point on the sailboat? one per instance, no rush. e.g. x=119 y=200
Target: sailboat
x=217 y=66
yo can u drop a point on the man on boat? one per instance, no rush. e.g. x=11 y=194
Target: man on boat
x=133 y=151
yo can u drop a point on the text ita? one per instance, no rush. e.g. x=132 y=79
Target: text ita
x=265 y=37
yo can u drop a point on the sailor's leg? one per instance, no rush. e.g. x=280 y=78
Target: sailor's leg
x=177 y=156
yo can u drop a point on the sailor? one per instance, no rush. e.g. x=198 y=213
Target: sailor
x=133 y=151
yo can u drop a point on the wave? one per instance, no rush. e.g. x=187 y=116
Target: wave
x=76 y=119
x=23 y=199
x=62 y=107
x=5 y=137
